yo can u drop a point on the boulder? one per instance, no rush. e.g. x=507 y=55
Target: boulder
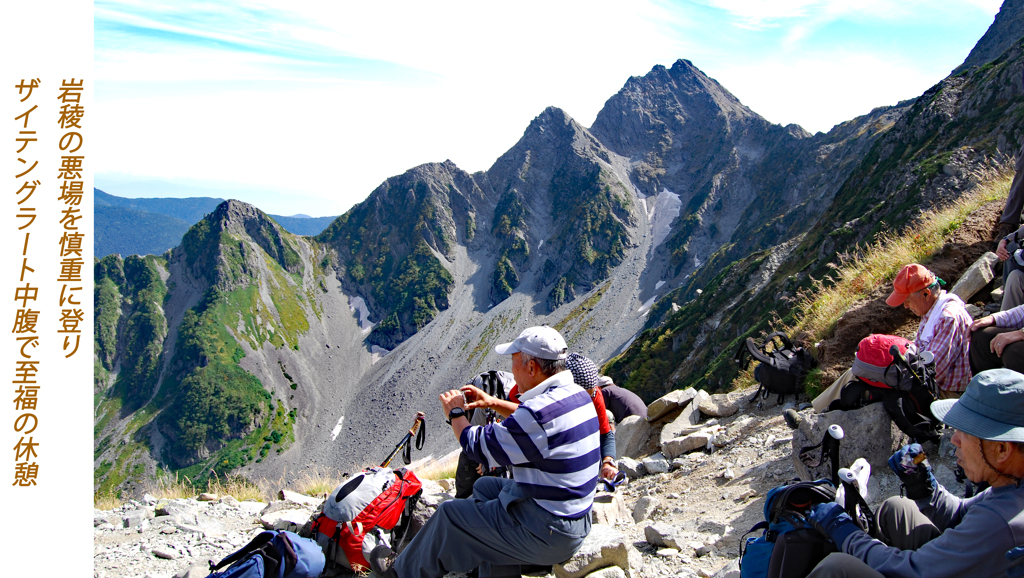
x=610 y=509
x=200 y=570
x=681 y=426
x=631 y=436
x=669 y=402
x=976 y=277
x=663 y=535
x=609 y=572
x=298 y=498
x=730 y=570
x=284 y=519
x=739 y=428
x=603 y=547
x=692 y=411
x=721 y=404
x=165 y=553
x=655 y=464
x=679 y=446
x=207 y=497
x=135 y=518
x=632 y=468
x=644 y=507
x=869 y=434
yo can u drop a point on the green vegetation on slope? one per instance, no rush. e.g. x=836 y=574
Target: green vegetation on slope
x=390 y=253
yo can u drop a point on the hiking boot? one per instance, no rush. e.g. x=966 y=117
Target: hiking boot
x=382 y=562
x=792 y=418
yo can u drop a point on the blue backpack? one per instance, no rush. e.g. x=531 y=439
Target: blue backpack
x=789 y=546
x=275 y=554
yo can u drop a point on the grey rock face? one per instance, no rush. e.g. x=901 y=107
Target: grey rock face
x=631 y=436
x=869 y=434
x=669 y=402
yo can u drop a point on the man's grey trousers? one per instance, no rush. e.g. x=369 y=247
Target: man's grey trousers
x=497 y=530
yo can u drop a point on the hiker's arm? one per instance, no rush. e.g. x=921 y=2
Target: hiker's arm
x=946 y=342
x=479 y=399
x=943 y=508
x=449 y=401
x=502 y=443
x=1013 y=318
x=975 y=547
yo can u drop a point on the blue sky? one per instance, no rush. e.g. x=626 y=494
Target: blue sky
x=305 y=107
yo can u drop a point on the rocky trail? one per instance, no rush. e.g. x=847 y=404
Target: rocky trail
x=675 y=516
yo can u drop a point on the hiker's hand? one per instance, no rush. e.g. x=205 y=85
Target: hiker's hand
x=1001 y=251
x=608 y=470
x=999 y=342
x=1016 y=558
x=983 y=322
x=832 y=520
x=476 y=397
x=451 y=400
x=911 y=465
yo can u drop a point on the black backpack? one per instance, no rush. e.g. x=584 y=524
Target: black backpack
x=782 y=370
x=905 y=387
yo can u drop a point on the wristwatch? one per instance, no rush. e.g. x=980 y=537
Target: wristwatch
x=456 y=412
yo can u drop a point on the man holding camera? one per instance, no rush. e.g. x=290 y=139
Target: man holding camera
x=551 y=442
x=932 y=533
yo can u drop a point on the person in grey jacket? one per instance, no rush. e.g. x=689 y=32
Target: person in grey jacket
x=935 y=534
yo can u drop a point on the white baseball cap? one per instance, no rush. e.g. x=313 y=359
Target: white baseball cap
x=542 y=342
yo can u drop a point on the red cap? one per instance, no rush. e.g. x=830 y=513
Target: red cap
x=911 y=279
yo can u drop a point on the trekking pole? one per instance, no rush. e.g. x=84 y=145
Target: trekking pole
x=417 y=426
x=829 y=450
x=854 y=502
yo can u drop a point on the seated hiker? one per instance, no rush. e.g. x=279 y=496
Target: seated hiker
x=944 y=331
x=932 y=533
x=497 y=384
x=997 y=340
x=622 y=402
x=540 y=517
x=585 y=374
x=1009 y=252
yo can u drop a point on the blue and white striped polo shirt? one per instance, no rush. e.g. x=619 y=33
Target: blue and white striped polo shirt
x=552 y=442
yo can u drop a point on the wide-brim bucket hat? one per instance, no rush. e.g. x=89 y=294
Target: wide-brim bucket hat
x=992 y=407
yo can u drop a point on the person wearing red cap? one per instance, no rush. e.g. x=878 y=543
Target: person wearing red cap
x=945 y=331
x=945 y=328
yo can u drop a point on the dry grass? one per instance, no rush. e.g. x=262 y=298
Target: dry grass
x=439 y=469
x=238 y=487
x=318 y=482
x=106 y=501
x=856 y=276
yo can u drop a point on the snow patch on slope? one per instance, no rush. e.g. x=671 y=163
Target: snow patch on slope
x=665 y=210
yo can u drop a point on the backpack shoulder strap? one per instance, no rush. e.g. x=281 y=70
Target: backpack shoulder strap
x=261 y=540
x=786 y=343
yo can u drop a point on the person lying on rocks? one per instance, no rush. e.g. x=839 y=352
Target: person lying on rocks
x=585 y=374
x=542 y=516
x=619 y=400
x=945 y=330
x=997 y=340
x=932 y=533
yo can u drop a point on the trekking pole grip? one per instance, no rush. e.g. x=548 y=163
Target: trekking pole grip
x=417 y=422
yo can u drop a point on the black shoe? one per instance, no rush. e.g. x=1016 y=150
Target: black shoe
x=792 y=418
x=382 y=562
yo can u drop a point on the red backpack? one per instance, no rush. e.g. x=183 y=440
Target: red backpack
x=352 y=518
x=891 y=370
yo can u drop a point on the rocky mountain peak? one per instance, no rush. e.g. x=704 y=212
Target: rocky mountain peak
x=1006 y=29
x=215 y=248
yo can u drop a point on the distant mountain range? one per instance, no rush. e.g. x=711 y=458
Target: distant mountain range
x=656 y=241
x=152 y=226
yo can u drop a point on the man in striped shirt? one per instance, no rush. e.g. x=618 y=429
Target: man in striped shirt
x=550 y=440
